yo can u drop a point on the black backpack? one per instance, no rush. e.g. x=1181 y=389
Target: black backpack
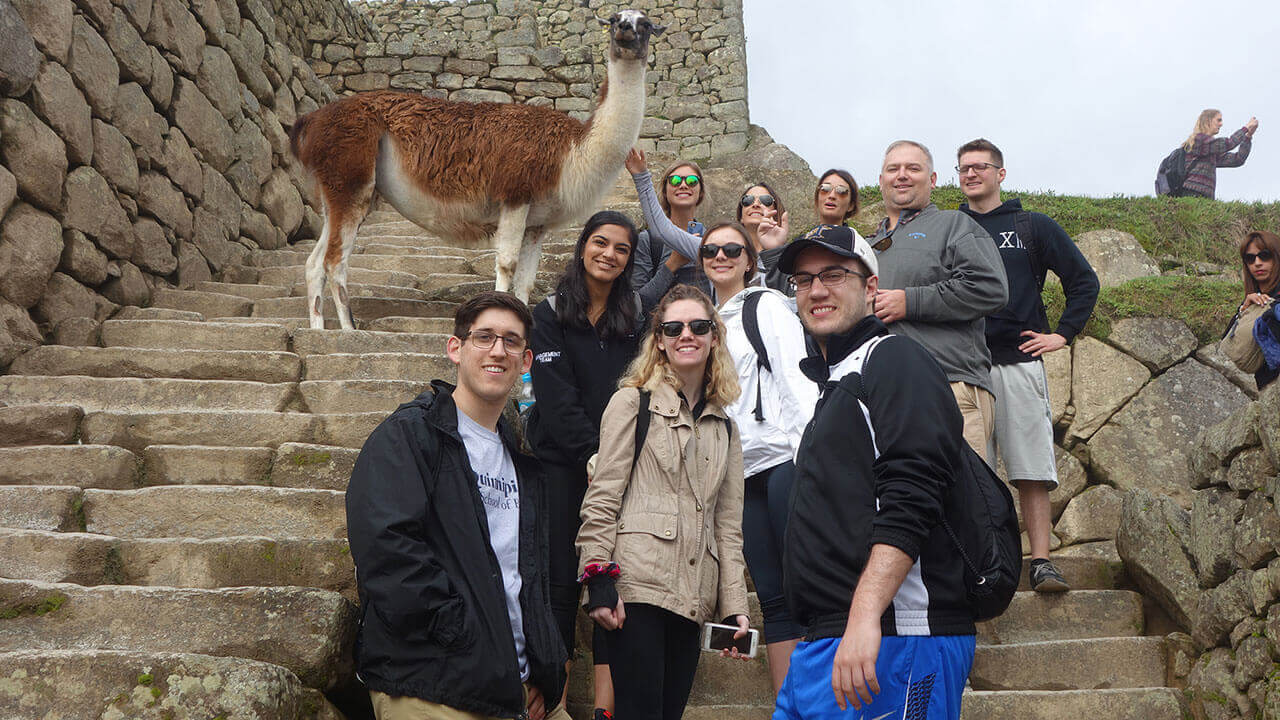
x=642 y=427
x=1172 y=172
x=751 y=325
x=980 y=519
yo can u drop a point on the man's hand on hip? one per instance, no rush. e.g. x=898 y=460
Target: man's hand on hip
x=1038 y=344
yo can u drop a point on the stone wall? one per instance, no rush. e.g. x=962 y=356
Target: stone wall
x=552 y=53
x=142 y=144
x=299 y=23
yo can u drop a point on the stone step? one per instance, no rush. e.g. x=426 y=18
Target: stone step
x=90 y=559
x=365 y=290
x=724 y=712
x=254 y=365
x=40 y=507
x=364 y=308
x=379 y=366
x=39 y=424
x=84 y=466
x=1082 y=572
x=308 y=631
x=320 y=467
x=437 y=281
x=1096 y=663
x=133 y=312
x=94 y=393
x=244 y=290
x=209 y=304
x=406 y=227
x=331 y=396
x=1035 y=617
x=292 y=465
x=419 y=265
x=294 y=274
x=326 y=342
x=226 y=428
x=216 y=511
x=427 y=326
x=186 y=335
x=107 y=683
x=1122 y=704
x=289 y=323
x=383 y=245
x=461 y=292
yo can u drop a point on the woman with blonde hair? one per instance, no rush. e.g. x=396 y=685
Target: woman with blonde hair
x=661 y=537
x=1206 y=153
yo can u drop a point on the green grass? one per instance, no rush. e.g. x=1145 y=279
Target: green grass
x=1206 y=306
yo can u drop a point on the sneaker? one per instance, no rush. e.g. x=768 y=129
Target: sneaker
x=1045 y=578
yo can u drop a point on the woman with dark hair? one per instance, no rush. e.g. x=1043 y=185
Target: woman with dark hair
x=667 y=246
x=836 y=197
x=760 y=209
x=583 y=338
x=1260 y=257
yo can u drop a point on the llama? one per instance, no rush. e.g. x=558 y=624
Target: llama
x=469 y=170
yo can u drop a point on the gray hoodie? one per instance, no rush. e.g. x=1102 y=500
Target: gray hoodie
x=953 y=278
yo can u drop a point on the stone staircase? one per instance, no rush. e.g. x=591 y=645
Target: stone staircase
x=172 y=528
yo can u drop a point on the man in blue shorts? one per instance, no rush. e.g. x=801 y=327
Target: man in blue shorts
x=871 y=473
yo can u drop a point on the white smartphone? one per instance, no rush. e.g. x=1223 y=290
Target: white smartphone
x=717 y=637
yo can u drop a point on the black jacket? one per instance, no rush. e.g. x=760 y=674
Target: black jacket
x=433 y=619
x=575 y=372
x=846 y=498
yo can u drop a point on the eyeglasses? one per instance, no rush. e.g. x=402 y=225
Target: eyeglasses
x=840 y=190
x=765 y=200
x=831 y=277
x=690 y=180
x=673 y=328
x=976 y=167
x=1249 y=258
x=731 y=250
x=484 y=340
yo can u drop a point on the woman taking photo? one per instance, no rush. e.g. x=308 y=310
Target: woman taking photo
x=1260 y=255
x=666 y=247
x=661 y=537
x=776 y=403
x=1206 y=153
x=583 y=338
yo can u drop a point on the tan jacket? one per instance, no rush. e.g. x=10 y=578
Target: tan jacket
x=675 y=525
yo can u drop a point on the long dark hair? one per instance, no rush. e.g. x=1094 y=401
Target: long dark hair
x=1266 y=241
x=572 y=299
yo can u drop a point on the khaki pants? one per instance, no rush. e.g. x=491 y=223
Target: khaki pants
x=978 y=408
x=386 y=707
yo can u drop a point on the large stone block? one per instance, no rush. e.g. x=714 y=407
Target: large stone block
x=57 y=100
x=1103 y=379
x=175 y=29
x=282 y=202
x=1153 y=542
x=1158 y=343
x=1217 y=444
x=1116 y=256
x=50 y=24
x=113 y=157
x=137 y=118
x=18 y=333
x=30 y=246
x=218 y=81
x=160 y=89
x=35 y=155
x=159 y=198
x=92 y=208
x=1147 y=443
x=1222 y=608
x=1257 y=535
x=203 y=125
x=1057 y=368
x=94 y=67
x=130 y=50
x=1214 y=515
x=1092 y=515
x=153 y=249
x=19 y=60
x=82 y=260
x=1268 y=425
x=65 y=298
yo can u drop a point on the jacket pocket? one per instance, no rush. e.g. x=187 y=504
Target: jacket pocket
x=709 y=581
x=646 y=547
x=452 y=626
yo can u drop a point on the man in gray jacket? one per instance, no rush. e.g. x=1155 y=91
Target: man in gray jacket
x=940 y=276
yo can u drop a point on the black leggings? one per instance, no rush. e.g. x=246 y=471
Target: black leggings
x=765 y=504
x=654 y=658
x=565 y=487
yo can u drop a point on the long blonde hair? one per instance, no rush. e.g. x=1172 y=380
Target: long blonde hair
x=1202 y=126
x=650 y=368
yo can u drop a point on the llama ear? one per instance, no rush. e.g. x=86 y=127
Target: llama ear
x=657 y=29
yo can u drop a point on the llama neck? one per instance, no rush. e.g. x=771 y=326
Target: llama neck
x=594 y=162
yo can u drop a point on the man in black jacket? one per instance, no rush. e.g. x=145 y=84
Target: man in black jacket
x=1019 y=335
x=445 y=518
x=866 y=507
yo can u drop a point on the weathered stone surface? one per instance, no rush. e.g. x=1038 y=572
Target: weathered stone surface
x=151 y=394
x=152 y=248
x=1212 y=356
x=83 y=466
x=1093 y=515
x=313 y=466
x=39 y=507
x=76 y=331
x=210 y=304
x=181 y=166
x=1153 y=540
x=65 y=298
x=1214 y=515
x=1070 y=664
x=1072 y=480
x=1116 y=256
x=92 y=208
x=35 y=155
x=1131 y=704
x=160 y=89
x=195 y=465
x=187 y=335
x=1079 y=614
x=136 y=431
x=307 y=631
x=282 y=202
x=94 y=67
x=82 y=260
x=100 y=683
x=256 y=365
x=216 y=511
x=1221 y=608
x=31 y=246
x=175 y=29
x=1146 y=444
x=8 y=190
x=208 y=235
x=1250 y=470
x=137 y=118
x=130 y=50
x=19 y=60
x=113 y=157
x=1258 y=533
x=329 y=396
x=1211 y=689
x=39 y=424
x=1216 y=445
x=18 y=332
x=221 y=201
x=217 y=80
x=130 y=288
x=158 y=197
x=1158 y=343
x=50 y=24
x=203 y=125
x=374 y=365
x=1268 y=428
x=1103 y=379
x=56 y=99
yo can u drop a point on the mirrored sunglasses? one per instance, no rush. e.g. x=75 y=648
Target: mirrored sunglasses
x=840 y=190
x=678 y=180
x=765 y=200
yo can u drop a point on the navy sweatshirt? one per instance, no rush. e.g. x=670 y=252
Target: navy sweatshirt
x=1025 y=309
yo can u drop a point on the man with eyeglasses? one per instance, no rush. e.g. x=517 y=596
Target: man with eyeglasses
x=940 y=275
x=871 y=472
x=1018 y=336
x=445 y=520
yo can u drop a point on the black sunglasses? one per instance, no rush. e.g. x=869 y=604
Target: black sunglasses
x=1264 y=256
x=710 y=250
x=673 y=328
x=765 y=200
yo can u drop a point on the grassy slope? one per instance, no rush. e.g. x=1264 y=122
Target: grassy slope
x=1175 y=231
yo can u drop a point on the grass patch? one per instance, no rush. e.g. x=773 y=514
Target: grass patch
x=1206 y=306
x=301 y=459
x=50 y=604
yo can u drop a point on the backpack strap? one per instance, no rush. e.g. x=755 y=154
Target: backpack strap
x=1035 y=254
x=751 y=325
x=642 y=427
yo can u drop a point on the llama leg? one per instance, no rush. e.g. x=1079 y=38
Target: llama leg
x=527 y=265
x=337 y=266
x=315 y=278
x=506 y=240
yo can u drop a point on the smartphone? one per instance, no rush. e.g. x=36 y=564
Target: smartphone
x=720 y=637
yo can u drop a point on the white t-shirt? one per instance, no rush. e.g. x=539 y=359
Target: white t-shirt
x=496 y=480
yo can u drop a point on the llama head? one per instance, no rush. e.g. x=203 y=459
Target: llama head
x=629 y=32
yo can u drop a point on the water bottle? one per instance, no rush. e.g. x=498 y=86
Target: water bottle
x=525 y=400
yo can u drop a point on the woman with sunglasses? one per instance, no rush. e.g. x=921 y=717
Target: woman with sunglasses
x=760 y=210
x=661 y=537
x=1260 y=255
x=836 y=197
x=666 y=246
x=583 y=338
x=771 y=414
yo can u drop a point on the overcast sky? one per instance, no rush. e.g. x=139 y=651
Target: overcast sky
x=1084 y=97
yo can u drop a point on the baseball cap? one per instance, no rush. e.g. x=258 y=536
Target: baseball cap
x=839 y=239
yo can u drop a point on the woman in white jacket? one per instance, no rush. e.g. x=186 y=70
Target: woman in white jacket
x=771 y=414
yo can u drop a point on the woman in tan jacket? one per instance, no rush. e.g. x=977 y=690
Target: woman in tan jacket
x=661 y=537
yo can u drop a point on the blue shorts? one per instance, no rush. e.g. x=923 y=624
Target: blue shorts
x=920 y=678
